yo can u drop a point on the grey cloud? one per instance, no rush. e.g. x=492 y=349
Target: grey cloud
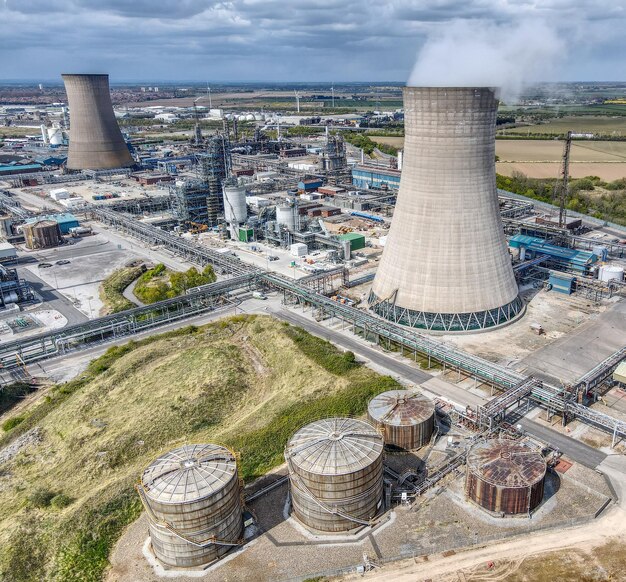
x=276 y=39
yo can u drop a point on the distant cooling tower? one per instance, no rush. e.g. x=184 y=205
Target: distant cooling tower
x=445 y=266
x=96 y=142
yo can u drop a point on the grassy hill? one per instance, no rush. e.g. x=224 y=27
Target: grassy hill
x=248 y=382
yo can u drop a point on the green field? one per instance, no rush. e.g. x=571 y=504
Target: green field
x=604 y=126
x=18 y=131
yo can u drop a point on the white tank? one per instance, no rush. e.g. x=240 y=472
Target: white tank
x=55 y=135
x=608 y=272
x=250 y=117
x=258 y=117
x=235 y=210
x=286 y=216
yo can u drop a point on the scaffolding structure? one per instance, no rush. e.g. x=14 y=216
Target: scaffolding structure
x=214 y=166
x=189 y=201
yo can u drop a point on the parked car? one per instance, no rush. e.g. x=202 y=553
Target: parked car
x=44 y=265
x=63 y=262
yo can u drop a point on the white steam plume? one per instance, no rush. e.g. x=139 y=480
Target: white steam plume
x=476 y=53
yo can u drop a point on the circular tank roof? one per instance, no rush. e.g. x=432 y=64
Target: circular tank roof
x=334 y=446
x=401 y=408
x=506 y=463
x=189 y=473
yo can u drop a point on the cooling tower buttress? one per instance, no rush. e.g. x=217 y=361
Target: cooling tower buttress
x=96 y=142
x=445 y=266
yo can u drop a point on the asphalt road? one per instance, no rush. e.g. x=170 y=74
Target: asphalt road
x=575 y=450
x=52 y=299
x=414 y=375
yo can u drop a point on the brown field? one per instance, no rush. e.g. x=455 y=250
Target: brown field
x=397 y=142
x=541 y=158
x=552 y=151
x=606 y=171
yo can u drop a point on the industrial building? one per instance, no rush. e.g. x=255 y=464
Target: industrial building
x=445 y=266
x=8 y=253
x=66 y=221
x=96 y=142
x=576 y=261
x=13 y=289
x=370 y=176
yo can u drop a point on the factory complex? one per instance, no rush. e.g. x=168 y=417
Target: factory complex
x=502 y=319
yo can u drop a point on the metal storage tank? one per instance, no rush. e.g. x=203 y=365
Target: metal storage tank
x=446 y=266
x=43 y=234
x=505 y=476
x=96 y=142
x=406 y=417
x=335 y=474
x=286 y=216
x=235 y=210
x=192 y=496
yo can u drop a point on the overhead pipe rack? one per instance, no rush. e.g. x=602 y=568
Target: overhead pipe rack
x=39 y=347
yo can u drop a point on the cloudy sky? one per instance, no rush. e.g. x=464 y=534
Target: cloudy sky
x=288 y=40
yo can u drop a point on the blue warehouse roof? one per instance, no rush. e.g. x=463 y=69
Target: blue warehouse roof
x=16 y=168
x=61 y=218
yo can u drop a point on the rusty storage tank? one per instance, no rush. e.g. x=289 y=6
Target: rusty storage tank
x=336 y=474
x=192 y=496
x=43 y=234
x=406 y=417
x=505 y=476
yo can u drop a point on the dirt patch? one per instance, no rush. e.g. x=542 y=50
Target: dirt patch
x=32 y=437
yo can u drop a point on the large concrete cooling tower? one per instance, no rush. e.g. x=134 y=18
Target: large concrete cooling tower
x=445 y=266
x=96 y=142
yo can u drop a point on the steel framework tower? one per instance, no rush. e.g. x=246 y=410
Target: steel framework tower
x=96 y=142
x=445 y=266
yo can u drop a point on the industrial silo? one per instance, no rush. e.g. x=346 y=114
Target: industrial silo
x=335 y=474
x=96 y=142
x=192 y=496
x=287 y=216
x=43 y=234
x=55 y=135
x=406 y=417
x=504 y=476
x=235 y=209
x=445 y=266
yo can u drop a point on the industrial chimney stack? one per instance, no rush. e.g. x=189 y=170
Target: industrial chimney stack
x=96 y=142
x=445 y=266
